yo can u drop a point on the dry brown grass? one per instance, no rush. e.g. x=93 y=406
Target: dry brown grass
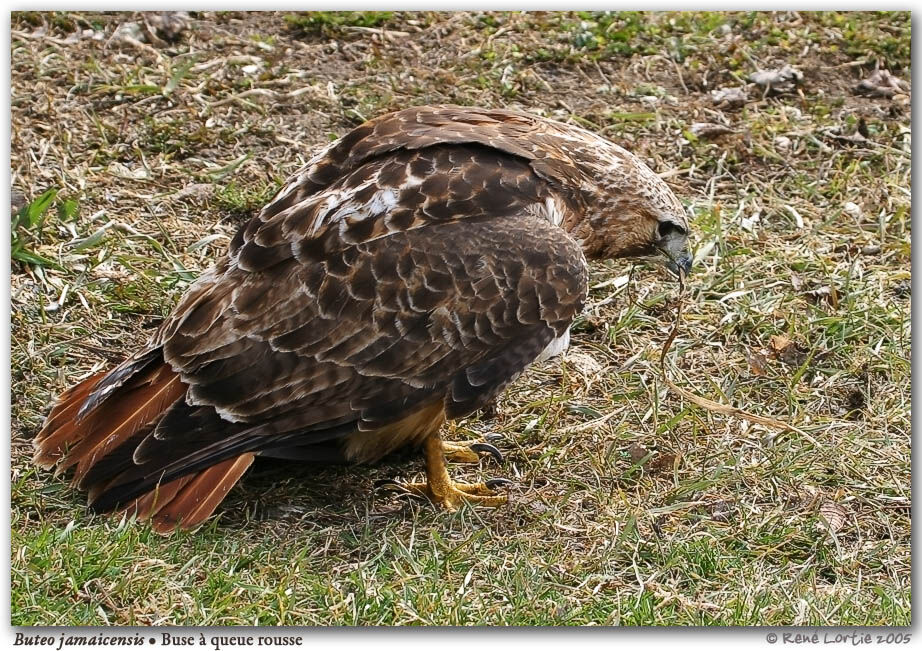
x=633 y=506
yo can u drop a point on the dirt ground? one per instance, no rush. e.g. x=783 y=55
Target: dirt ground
x=787 y=135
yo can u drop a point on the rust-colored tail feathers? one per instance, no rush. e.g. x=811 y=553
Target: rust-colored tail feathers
x=69 y=439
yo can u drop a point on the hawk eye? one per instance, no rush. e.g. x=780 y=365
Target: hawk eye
x=667 y=228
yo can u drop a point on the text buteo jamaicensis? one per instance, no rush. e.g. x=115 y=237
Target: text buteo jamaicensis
x=409 y=273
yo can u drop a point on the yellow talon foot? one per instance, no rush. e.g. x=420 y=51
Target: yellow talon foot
x=439 y=487
x=450 y=496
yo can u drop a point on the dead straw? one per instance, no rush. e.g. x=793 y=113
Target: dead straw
x=701 y=401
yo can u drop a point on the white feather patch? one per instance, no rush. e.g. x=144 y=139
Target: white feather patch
x=550 y=210
x=382 y=201
x=556 y=347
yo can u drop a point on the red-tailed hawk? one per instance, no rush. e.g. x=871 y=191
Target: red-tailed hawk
x=405 y=276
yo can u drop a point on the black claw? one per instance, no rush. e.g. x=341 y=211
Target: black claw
x=493 y=437
x=392 y=484
x=491 y=449
x=498 y=482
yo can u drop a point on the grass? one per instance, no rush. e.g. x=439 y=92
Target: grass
x=632 y=506
x=26 y=227
x=332 y=22
x=240 y=203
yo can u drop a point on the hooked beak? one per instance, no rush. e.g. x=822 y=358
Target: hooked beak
x=680 y=265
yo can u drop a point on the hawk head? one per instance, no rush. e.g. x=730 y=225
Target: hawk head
x=643 y=221
x=628 y=210
x=671 y=244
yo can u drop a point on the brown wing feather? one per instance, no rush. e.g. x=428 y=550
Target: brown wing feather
x=519 y=135
x=198 y=499
x=59 y=426
x=68 y=440
x=111 y=427
x=151 y=502
x=136 y=405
